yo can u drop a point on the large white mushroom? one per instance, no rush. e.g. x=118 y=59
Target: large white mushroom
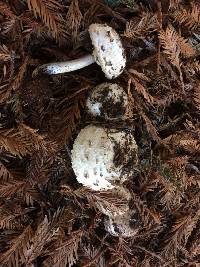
x=108 y=53
x=108 y=101
x=99 y=156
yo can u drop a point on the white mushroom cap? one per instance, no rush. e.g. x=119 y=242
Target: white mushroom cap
x=108 y=50
x=125 y=225
x=95 y=156
x=108 y=101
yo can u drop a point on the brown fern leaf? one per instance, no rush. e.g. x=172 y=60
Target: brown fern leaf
x=189 y=18
x=148 y=216
x=174 y=3
x=64 y=123
x=150 y=128
x=39 y=168
x=5 y=54
x=168 y=40
x=193 y=67
x=185 y=140
x=174 y=45
x=49 y=11
x=142 y=91
x=40 y=142
x=7 y=189
x=108 y=202
x=94 y=256
x=66 y=254
x=16 y=254
x=179 y=234
x=170 y=193
x=24 y=140
x=138 y=27
x=178 y=168
x=42 y=236
x=183 y=228
x=13 y=215
x=15 y=84
x=5 y=174
x=74 y=18
x=195 y=249
x=185 y=47
x=14 y=142
x=6 y=9
x=197 y=97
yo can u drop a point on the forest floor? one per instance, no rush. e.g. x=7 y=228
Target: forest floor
x=46 y=217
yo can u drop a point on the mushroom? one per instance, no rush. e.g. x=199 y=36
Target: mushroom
x=108 y=101
x=99 y=156
x=108 y=53
x=125 y=225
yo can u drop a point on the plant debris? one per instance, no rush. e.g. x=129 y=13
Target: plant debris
x=46 y=217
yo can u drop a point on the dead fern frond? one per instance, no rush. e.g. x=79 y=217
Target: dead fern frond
x=168 y=40
x=180 y=233
x=7 y=189
x=185 y=140
x=148 y=216
x=40 y=142
x=197 y=97
x=74 y=18
x=178 y=168
x=42 y=236
x=170 y=191
x=174 y=3
x=94 y=256
x=138 y=27
x=14 y=142
x=15 y=84
x=18 y=249
x=67 y=252
x=109 y=202
x=142 y=91
x=6 y=9
x=39 y=168
x=13 y=215
x=189 y=18
x=5 y=174
x=24 y=140
x=49 y=11
x=195 y=248
x=174 y=45
x=64 y=123
x=151 y=128
x=5 y=54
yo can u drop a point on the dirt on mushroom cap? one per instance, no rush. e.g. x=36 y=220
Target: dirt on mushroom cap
x=108 y=101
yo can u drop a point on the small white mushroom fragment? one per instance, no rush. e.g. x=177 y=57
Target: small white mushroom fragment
x=108 y=53
x=126 y=225
x=100 y=154
x=108 y=101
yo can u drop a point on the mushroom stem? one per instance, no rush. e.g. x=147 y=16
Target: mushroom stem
x=67 y=66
